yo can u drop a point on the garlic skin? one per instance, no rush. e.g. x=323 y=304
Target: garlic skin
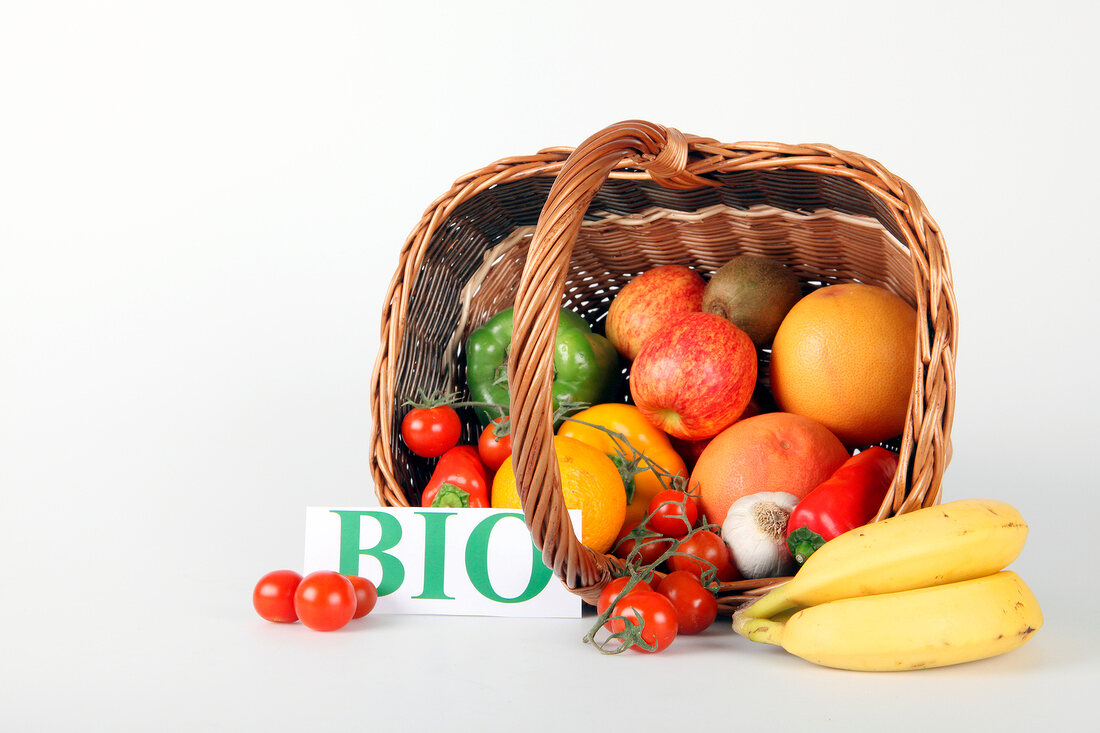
x=755 y=530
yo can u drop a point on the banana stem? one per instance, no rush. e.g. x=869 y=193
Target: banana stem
x=769 y=605
x=763 y=630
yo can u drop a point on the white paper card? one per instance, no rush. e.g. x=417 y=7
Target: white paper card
x=464 y=562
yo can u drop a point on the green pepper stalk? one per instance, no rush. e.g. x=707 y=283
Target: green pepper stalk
x=586 y=365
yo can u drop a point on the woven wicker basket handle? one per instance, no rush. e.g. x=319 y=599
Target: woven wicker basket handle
x=664 y=153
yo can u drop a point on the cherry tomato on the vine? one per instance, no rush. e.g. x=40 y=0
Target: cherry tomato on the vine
x=653 y=612
x=493 y=450
x=614 y=588
x=431 y=431
x=696 y=607
x=366 y=595
x=710 y=551
x=273 y=597
x=325 y=601
x=649 y=548
x=672 y=513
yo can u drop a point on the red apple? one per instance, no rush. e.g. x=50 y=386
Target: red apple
x=648 y=302
x=694 y=377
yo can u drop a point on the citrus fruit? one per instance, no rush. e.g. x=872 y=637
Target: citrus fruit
x=754 y=293
x=589 y=482
x=844 y=357
x=654 y=444
x=776 y=451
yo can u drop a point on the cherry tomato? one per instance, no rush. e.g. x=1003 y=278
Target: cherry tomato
x=653 y=612
x=273 y=597
x=696 y=607
x=672 y=513
x=614 y=588
x=325 y=601
x=493 y=450
x=710 y=551
x=366 y=595
x=431 y=431
x=649 y=550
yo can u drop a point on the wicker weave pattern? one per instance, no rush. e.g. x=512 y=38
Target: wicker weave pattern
x=833 y=216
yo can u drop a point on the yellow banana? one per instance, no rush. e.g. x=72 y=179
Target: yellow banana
x=913 y=629
x=970 y=538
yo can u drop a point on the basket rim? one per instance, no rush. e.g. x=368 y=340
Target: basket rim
x=643 y=218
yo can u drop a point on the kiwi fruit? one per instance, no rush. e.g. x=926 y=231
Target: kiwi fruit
x=754 y=293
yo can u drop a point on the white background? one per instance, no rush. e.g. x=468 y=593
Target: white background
x=201 y=205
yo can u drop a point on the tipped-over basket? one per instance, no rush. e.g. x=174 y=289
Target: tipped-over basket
x=568 y=228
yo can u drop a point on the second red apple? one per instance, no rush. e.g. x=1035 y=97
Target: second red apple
x=694 y=377
x=650 y=301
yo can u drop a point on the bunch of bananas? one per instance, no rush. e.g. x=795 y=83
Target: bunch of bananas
x=924 y=589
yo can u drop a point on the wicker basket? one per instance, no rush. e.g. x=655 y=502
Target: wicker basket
x=567 y=228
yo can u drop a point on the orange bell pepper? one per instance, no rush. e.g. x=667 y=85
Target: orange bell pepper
x=642 y=436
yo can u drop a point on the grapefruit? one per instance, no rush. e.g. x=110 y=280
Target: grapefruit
x=776 y=451
x=844 y=356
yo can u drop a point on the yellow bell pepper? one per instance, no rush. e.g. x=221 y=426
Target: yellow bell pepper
x=650 y=441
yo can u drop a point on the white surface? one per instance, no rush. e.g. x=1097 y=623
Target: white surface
x=201 y=205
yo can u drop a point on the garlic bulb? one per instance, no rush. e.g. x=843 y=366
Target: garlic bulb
x=756 y=532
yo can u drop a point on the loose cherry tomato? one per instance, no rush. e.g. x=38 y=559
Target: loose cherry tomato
x=494 y=451
x=649 y=549
x=366 y=595
x=273 y=596
x=614 y=588
x=431 y=431
x=710 y=550
x=696 y=607
x=672 y=513
x=325 y=601
x=653 y=612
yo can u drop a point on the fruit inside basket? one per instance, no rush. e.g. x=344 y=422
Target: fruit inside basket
x=569 y=229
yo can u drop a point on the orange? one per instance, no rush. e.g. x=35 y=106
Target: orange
x=776 y=451
x=589 y=482
x=641 y=436
x=844 y=356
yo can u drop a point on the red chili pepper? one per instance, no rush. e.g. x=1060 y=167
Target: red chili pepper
x=459 y=479
x=848 y=499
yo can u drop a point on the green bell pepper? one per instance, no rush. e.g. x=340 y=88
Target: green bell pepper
x=586 y=365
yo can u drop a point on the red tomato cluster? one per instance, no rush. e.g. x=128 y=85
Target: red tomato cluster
x=430 y=432
x=433 y=431
x=680 y=605
x=322 y=601
x=670 y=523
x=677 y=603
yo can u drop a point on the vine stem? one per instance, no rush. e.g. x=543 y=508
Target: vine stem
x=631 y=634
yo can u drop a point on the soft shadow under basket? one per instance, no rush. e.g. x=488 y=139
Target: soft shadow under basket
x=568 y=228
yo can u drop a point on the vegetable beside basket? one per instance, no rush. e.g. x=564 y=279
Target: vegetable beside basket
x=567 y=228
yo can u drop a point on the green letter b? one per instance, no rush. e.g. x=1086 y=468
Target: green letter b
x=393 y=572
